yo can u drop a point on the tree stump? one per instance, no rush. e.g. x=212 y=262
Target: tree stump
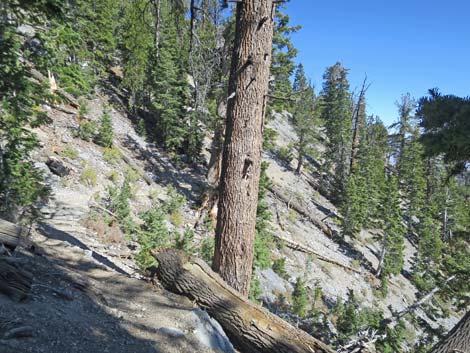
x=250 y=327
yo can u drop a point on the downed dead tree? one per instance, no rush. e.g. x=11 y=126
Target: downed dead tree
x=9 y=234
x=250 y=327
x=296 y=206
x=308 y=250
x=14 y=282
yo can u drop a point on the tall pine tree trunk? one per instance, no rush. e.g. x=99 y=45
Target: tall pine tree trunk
x=458 y=339
x=241 y=163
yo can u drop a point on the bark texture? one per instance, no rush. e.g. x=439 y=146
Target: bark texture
x=457 y=340
x=241 y=163
x=250 y=327
x=9 y=234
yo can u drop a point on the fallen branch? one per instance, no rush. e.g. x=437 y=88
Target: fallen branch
x=296 y=206
x=134 y=166
x=249 y=326
x=305 y=249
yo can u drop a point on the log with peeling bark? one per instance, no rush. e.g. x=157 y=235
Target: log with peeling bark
x=308 y=250
x=14 y=282
x=296 y=206
x=249 y=326
x=10 y=234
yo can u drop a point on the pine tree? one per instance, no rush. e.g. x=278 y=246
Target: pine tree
x=336 y=114
x=304 y=117
x=299 y=298
x=391 y=259
x=282 y=66
x=105 y=131
x=20 y=110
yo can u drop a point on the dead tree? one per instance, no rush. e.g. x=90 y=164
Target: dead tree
x=249 y=326
x=241 y=162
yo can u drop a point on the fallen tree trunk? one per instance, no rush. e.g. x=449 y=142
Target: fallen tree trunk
x=14 y=282
x=250 y=327
x=308 y=250
x=10 y=234
x=296 y=206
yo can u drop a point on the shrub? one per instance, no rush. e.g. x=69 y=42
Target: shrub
x=88 y=176
x=185 y=241
x=174 y=201
x=176 y=219
x=111 y=155
x=154 y=234
x=299 y=298
x=279 y=266
x=86 y=131
x=69 y=152
x=206 y=249
x=255 y=290
x=140 y=128
x=118 y=200
x=285 y=154
x=113 y=176
x=269 y=139
x=105 y=134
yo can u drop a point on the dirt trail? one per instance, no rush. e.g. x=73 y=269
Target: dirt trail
x=78 y=304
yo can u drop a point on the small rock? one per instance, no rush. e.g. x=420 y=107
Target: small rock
x=57 y=167
x=172 y=332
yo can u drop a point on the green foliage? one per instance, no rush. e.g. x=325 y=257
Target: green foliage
x=285 y=154
x=105 y=135
x=336 y=112
x=305 y=118
x=154 y=234
x=299 y=298
x=279 y=266
x=395 y=337
x=282 y=65
x=140 y=128
x=394 y=231
x=88 y=176
x=206 y=249
x=112 y=155
x=185 y=241
x=446 y=129
x=86 y=130
x=174 y=201
x=255 y=290
x=118 y=200
x=69 y=152
x=269 y=139
x=20 y=100
x=263 y=237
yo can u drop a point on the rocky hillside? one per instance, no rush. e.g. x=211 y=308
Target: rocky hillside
x=88 y=290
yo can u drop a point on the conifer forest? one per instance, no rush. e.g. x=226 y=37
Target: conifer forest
x=172 y=180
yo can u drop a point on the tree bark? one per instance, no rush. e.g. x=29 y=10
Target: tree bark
x=241 y=163
x=9 y=234
x=457 y=340
x=356 y=140
x=249 y=326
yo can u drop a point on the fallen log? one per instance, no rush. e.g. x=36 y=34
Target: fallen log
x=10 y=234
x=249 y=326
x=308 y=250
x=296 y=206
x=14 y=282
x=134 y=166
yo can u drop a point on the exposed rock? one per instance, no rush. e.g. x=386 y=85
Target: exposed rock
x=57 y=167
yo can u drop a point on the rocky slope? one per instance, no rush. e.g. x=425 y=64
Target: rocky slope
x=89 y=294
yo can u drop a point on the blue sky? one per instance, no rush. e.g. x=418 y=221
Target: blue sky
x=402 y=46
